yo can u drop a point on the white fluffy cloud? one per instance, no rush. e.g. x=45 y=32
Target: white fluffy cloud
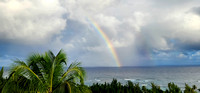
x=30 y=22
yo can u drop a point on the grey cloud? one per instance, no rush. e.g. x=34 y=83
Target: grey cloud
x=186 y=45
x=196 y=10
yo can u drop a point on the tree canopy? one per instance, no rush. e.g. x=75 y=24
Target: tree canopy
x=44 y=73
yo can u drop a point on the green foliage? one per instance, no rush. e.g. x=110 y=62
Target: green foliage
x=2 y=79
x=173 y=88
x=188 y=89
x=130 y=87
x=45 y=73
x=115 y=87
x=155 y=88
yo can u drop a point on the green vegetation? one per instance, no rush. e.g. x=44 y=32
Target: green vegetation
x=130 y=87
x=2 y=79
x=45 y=73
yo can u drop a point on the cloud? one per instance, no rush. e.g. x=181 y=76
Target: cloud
x=196 y=10
x=30 y=22
x=135 y=28
x=5 y=62
x=196 y=54
x=181 y=55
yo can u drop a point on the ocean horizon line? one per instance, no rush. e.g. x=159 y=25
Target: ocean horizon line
x=131 y=66
x=141 y=66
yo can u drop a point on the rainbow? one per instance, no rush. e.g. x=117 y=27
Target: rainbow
x=107 y=41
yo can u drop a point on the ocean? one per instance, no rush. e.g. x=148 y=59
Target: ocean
x=146 y=75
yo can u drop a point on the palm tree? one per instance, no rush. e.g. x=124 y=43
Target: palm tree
x=44 y=73
x=2 y=79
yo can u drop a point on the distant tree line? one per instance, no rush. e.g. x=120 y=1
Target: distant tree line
x=130 y=87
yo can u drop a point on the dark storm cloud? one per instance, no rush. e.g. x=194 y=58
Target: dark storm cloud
x=186 y=45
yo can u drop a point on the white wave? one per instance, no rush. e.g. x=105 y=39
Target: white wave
x=144 y=85
x=98 y=80
x=146 y=80
x=127 y=79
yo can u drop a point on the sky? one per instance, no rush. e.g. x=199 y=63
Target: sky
x=102 y=32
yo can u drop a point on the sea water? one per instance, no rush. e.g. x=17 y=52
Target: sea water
x=146 y=75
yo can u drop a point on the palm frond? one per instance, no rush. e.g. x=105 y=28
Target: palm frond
x=50 y=56
x=34 y=64
x=76 y=71
x=61 y=57
x=24 y=69
x=1 y=72
x=44 y=73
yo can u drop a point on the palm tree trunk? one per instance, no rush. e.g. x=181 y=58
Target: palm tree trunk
x=69 y=87
x=51 y=82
